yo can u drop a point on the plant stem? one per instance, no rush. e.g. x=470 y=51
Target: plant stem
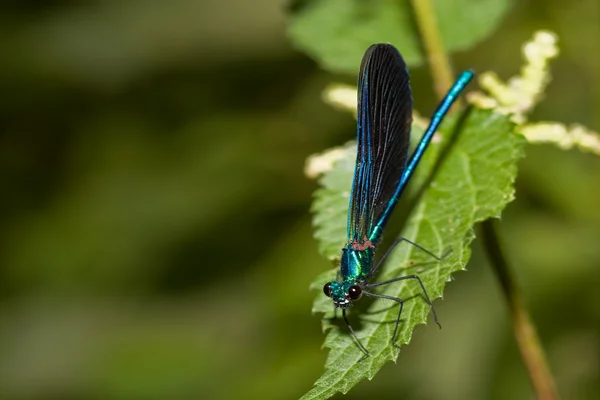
x=524 y=329
x=434 y=46
x=525 y=332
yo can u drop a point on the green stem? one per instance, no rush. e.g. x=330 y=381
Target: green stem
x=434 y=46
x=525 y=332
x=524 y=329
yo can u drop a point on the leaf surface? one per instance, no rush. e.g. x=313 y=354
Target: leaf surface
x=336 y=33
x=473 y=182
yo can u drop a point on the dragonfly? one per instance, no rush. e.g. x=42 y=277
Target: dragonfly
x=382 y=171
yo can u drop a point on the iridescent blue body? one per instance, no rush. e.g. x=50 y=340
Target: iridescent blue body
x=355 y=266
x=382 y=169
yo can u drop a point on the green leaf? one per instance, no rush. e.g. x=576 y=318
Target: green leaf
x=330 y=206
x=474 y=182
x=336 y=33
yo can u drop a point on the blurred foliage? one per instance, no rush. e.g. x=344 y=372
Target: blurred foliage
x=337 y=32
x=155 y=238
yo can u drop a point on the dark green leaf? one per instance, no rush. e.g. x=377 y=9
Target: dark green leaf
x=336 y=33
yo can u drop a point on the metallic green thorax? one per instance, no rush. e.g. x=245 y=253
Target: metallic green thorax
x=356 y=264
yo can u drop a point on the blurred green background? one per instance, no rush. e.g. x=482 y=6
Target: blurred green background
x=155 y=238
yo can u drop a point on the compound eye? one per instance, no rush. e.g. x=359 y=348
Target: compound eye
x=355 y=292
x=327 y=289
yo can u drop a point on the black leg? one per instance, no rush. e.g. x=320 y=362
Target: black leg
x=397 y=242
x=397 y=299
x=354 y=334
x=402 y=278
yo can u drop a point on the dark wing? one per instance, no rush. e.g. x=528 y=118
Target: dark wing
x=384 y=120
